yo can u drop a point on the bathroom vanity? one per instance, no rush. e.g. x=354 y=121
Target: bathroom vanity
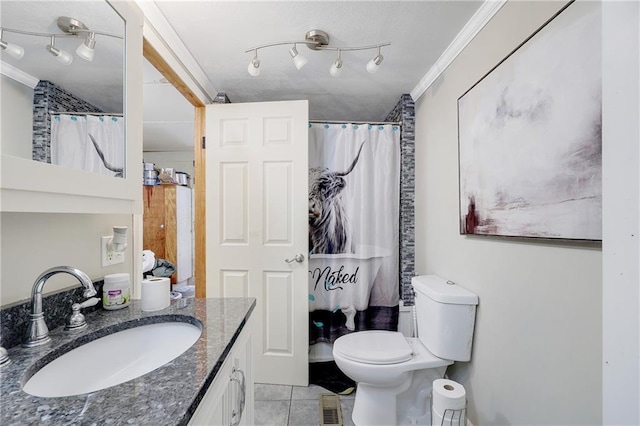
x=210 y=383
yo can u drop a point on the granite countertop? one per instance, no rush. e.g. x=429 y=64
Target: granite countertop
x=168 y=395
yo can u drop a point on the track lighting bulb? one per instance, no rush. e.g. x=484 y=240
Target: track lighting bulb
x=374 y=64
x=11 y=49
x=336 y=68
x=86 y=50
x=62 y=56
x=254 y=66
x=298 y=60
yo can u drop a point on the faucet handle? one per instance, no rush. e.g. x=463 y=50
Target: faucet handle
x=89 y=302
x=77 y=321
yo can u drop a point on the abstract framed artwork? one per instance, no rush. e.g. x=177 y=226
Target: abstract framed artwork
x=529 y=134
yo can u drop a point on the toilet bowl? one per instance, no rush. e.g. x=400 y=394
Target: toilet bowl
x=394 y=373
x=383 y=364
x=381 y=358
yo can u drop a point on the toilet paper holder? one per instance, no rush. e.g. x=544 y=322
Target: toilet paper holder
x=450 y=417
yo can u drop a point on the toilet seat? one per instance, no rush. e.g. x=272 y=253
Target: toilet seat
x=375 y=347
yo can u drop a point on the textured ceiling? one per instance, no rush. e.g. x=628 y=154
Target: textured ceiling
x=217 y=34
x=168 y=117
x=98 y=82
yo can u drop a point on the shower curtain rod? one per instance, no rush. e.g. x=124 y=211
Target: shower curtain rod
x=85 y=113
x=395 y=123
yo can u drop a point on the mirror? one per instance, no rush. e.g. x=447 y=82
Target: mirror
x=44 y=75
x=168 y=130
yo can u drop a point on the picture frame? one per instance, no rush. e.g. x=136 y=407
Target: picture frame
x=530 y=136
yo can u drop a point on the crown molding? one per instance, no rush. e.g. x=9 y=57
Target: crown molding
x=477 y=22
x=161 y=35
x=18 y=75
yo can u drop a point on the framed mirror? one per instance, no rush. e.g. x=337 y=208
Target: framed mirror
x=62 y=84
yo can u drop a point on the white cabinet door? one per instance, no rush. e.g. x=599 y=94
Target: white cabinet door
x=244 y=384
x=214 y=409
x=229 y=399
x=256 y=220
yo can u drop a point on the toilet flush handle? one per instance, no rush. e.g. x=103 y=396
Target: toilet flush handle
x=297 y=258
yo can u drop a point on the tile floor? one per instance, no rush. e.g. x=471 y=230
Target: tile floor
x=280 y=405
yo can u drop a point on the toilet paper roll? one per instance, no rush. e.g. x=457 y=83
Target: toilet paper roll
x=448 y=395
x=155 y=293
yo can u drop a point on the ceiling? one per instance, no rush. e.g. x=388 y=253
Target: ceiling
x=99 y=81
x=168 y=117
x=216 y=34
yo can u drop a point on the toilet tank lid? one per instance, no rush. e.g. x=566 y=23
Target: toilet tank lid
x=443 y=291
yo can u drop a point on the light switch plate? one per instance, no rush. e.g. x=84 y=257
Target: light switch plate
x=109 y=257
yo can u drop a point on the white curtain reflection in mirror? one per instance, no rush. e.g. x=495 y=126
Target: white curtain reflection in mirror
x=88 y=142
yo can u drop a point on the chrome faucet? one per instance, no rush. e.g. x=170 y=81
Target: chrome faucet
x=37 y=332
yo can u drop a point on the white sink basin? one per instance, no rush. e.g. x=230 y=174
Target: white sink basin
x=113 y=359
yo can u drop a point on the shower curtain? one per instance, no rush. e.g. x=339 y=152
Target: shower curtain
x=88 y=142
x=354 y=179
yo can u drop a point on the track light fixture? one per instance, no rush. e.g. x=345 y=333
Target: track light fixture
x=374 y=64
x=62 y=56
x=254 y=65
x=316 y=40
x=298 y=60
x=87 y=49
x=12 y=49
x=336 y=68
x=71 y=28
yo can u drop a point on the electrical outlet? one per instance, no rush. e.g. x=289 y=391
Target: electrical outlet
x=109 y=257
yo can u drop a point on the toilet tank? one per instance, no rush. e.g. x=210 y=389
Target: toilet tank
x=446 y=315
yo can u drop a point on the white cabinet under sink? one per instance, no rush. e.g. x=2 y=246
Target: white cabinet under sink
x=229 y=399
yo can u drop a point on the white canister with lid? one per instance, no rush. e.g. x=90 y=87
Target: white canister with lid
x=116 y=292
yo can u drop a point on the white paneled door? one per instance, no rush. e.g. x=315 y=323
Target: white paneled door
x=257 y=226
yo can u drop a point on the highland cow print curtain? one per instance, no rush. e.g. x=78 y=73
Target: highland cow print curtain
x=354 y=178
x=88 y=142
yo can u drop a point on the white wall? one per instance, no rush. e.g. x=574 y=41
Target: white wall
x=538 y=348
x=181 y=161
x=16 y=118
x=34 y=242
x=621 y=188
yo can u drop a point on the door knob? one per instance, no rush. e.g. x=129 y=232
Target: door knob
x=297 y=258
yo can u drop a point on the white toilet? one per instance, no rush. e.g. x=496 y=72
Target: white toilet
x=394 y=373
